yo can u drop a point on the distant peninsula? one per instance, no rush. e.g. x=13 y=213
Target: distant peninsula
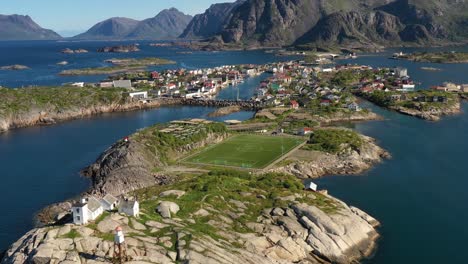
x=435 y=57
x=119 y=65
x=18 y=27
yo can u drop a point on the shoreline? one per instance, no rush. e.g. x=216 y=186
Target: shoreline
x=434 y=114
x=43 y=117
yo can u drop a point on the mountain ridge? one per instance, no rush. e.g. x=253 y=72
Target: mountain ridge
x=257 y=23
x=19 y=27
x=167 y=24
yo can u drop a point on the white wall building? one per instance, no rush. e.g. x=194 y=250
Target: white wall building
x=95 y=208
x=310 y=186
x=109 y=202
x=80 y=213
x=139 y=95
x=130 y=207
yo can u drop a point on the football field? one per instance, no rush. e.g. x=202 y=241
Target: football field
x=246 y=151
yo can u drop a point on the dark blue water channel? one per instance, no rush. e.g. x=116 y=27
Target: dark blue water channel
x=419 y=195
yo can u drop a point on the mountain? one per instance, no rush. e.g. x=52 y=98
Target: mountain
x=168 y=24
x=330 y=22
x=17 y=27
x=112 y=28
x=211 y=22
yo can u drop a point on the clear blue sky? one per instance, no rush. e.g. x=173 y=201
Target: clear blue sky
x=68 y=16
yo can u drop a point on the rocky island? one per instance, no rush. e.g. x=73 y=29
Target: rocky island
x=120 y=49
x=130 y=62
x=70 y=51
x=205 y=213
x=16 y=67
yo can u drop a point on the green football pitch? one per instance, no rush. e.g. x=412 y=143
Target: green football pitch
x=246 y=151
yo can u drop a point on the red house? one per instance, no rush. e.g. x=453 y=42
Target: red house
x=294 y=104
x=155 y=75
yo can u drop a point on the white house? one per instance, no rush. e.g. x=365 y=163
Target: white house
x=80 y=213
x=95 y=208
x=401 y=72
x=91 y=208
x=407 y=88
x=310 y=186
x=109 y=202
x=87 y=210
x=130 y=207
x=306 y=131
x=78 y=84
x=139 y=95
x=354 y=107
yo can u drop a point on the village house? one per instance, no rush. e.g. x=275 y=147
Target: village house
x=89 y=209
x=354 y=107
x=306 y=131
x=78 y=84
x=401 y=72
x=325 y=102
x=294 y=104
x=130 y=207
x=109 y=202
x=139 y=95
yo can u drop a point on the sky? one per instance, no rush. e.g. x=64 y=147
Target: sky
x=70 y=17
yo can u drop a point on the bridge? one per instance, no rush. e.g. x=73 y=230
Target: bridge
x=244 y=104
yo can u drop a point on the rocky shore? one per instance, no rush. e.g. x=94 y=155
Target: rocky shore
x=225 y=111
x=52 y=115
x=296 y=233
x=346 y=117
x=433 y=114
x=48 y=116
x=315 y=164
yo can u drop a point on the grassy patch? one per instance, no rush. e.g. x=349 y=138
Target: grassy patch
x=334 y=140
x=246 y=151
x=72 y=234
x=17 y=101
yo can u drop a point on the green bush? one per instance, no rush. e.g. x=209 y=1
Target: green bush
x=334 y=140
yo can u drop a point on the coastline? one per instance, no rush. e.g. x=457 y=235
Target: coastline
x=44 y=117
x=38 y=117
x=429 y=115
